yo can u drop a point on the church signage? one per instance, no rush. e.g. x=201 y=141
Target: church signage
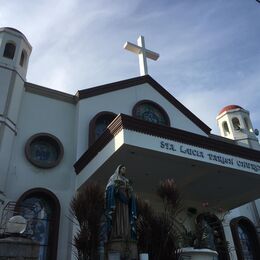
x=205 y=155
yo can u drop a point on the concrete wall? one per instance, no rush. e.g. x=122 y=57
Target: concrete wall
x=70 y=124
x=40 y=114
x=123 y=101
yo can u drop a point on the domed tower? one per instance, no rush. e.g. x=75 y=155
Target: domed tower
x=234 y=123
x=15 y=51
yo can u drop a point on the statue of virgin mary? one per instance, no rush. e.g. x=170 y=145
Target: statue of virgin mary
x=120 y=207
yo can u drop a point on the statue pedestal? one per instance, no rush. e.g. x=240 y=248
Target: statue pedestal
x=119 y=249
x=18 y=248
x=198 y=254
x=143 y=256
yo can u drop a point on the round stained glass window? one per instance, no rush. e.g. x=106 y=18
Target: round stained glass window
x=44 y=150
x=151 y=112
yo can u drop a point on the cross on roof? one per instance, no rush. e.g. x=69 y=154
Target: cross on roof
x=142 y=53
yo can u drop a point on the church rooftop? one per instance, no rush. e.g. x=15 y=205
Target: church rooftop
x=14 y=31
x=228 y=108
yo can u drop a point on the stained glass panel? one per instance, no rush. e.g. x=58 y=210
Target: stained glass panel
x=101 y=124
x=150 y=113
x=246 y=243
x=42 y=150
x=38 y=214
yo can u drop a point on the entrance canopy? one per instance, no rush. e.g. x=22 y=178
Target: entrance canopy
x=205 y=169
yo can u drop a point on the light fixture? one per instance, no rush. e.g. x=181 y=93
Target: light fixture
x=16 y=225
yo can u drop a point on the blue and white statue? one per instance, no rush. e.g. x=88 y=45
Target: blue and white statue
x=120 y=207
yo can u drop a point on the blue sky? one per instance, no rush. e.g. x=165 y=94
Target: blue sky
x=209 y=50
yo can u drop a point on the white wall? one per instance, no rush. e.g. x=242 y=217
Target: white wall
x=123 y=101
x=41 y=114
x=5 y=76
x=70 y=124
x=11 y=93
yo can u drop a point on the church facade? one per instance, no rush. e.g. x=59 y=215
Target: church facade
x=52 y=144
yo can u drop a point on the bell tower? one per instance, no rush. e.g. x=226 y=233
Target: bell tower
x=15 y=51
x=234 y=123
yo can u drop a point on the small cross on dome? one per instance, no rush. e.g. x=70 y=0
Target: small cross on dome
x=142 y=53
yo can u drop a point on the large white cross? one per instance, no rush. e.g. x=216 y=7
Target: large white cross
x=142 y=53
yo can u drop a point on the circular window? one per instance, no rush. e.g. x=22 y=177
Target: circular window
x=151 y=112
x=44 y=150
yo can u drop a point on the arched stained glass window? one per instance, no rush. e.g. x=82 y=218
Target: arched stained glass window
x=9 y=50
x=41 y=209
x=245 y=239
x=150 y=111
x=246 y=243
x=39 y=215
x=99 y=124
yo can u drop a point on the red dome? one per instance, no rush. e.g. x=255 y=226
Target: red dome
x=227 y=108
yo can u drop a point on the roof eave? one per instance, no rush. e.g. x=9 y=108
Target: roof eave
x=127 y=122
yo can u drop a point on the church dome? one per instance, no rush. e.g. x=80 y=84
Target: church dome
x=12 y=29
x=228 y=108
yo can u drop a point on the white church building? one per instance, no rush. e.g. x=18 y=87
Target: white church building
x=53 y=143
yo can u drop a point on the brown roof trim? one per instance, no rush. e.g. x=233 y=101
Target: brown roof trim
x=86 y=93
x=127 y=122
x=102 y=89
x=115 y=127
x=50 y=93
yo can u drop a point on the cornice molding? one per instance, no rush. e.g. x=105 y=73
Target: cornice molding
x=127 y=122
